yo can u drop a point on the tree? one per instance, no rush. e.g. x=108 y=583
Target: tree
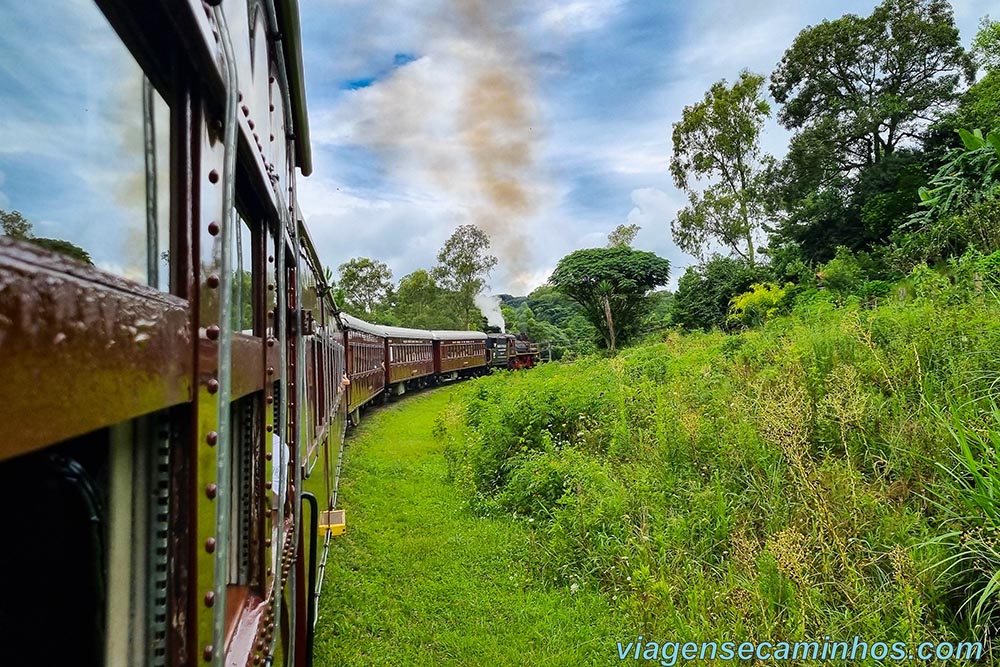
x=422 y=304
x=611 y=284
x=14 y=224
x=719 y=139
x=704 y=292
x=463 y=266
x=623 y=235
x=366 y=285
x=986 y=45
x=17 y=226
x=858 y=88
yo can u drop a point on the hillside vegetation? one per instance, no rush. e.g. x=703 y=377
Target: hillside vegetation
x=830 y=472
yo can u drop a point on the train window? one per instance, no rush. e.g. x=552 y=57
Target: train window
x=84 y=142
x=242 y=263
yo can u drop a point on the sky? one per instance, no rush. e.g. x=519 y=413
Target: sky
x=547 y=123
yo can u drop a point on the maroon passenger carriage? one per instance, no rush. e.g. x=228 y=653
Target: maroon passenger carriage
x=459 y=354
x=409 y=358
x=366 y=372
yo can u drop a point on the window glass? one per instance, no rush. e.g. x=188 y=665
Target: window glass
x=84 y=141
x=242 y=266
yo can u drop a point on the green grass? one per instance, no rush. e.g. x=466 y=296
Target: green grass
x=420 y=580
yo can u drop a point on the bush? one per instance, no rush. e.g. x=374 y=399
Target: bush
x=763 y=302
x=774 y=482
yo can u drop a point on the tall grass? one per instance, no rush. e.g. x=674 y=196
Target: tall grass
x=788 y=482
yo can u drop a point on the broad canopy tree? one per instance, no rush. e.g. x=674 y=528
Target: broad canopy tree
x=718 y=139
x=611 y=286
x=857 y=88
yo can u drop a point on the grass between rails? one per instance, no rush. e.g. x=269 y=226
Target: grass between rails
x=419 y=580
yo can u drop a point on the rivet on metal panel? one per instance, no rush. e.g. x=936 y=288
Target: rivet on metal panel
x=207 y=654
x=270 y=287
x=213 y=228
x=270 y=79
x=246 y=110
x=210 y=545
x=270 y=572
x=240 y=95
x=267 y=485
x=270 y=370
x=267 y=542
x=212 y=438
x=268 y=455
x=270 y=259
x=211 y=491
x=269 y=428
x=212 y=331
x=272 y=137
x=269 y=400
x=209 y=598
x=213 y=176
x=213 y=386
x=272 y=107
x=250 y=124
x=213 y=281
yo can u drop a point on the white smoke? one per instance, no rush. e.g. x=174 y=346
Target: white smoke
x=490 y=305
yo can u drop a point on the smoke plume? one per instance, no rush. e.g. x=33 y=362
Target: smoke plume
x=490 y=305
x=461 y=121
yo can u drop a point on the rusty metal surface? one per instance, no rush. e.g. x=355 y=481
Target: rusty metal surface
x=247 y=365
x=81 y=349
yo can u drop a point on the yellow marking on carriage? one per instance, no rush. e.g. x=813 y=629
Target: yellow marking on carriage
x=333 y=521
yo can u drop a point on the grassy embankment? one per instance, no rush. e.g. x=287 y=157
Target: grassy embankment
x=806 y=479
x=419 y=580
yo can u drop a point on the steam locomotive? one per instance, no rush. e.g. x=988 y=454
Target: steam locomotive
x=175 y=396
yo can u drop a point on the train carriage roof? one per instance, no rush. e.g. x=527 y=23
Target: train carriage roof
x=403 y=332
x=351 y=322
x=458 y=335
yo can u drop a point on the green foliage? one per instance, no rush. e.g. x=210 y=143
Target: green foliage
x=366 y=285
x=763 y=302
x=14 y=224
x=62 y=247
x=968 y=176
x=623 y=235
x=842 y=274
x=861 y=86
x=422 y=304
x=986 y=45
x=463 y=266
x=770 y=483
x=719 y=139
x=611 y=284
x=704 y=292
x=969 y=501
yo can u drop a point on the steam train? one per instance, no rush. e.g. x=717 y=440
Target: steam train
x=384 y=360
x=175 y=395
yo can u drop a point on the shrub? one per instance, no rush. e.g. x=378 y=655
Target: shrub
x=763 y=302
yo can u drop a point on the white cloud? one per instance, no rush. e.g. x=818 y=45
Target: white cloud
x=578 y=16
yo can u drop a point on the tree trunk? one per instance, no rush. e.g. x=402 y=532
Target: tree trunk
x=611 y=324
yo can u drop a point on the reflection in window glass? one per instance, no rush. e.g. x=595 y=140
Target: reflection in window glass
x=73 y=149
x=242 y=263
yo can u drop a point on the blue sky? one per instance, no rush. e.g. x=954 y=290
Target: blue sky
x=597 y=85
